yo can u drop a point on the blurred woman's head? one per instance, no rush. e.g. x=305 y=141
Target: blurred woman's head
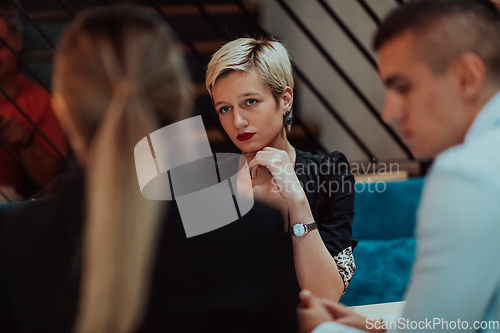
x=251 y=85
x=118 y=77
x=111 y=57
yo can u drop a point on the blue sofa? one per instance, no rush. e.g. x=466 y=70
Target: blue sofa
x=384 y=224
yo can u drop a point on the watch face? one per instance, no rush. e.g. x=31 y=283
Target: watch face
x=299 y=230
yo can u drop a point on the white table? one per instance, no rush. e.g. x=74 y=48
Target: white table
x=377 y=311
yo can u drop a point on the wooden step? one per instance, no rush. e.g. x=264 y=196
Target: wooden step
x=200 y=90
x=205 y=47
x=222 y=9
x=46 y=54
x=38 y=55
x=386 y=170
x=400 y=175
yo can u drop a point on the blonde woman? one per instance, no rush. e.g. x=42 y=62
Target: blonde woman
x=100 y=258
x=251 y=85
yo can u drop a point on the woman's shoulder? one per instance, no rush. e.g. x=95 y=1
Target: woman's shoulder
x=330 y=164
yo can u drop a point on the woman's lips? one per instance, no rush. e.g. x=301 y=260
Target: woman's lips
x=245 y=136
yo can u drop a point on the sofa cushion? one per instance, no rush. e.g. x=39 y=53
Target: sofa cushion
x=386 y=211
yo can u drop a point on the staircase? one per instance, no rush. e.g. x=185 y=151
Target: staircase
x=193 y=21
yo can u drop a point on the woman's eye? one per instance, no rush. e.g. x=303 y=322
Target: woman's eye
x=224 y=109
x=251 y=101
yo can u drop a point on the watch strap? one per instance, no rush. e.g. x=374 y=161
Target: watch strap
x=311 y=226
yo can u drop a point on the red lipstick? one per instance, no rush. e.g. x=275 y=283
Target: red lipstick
x=245 y=136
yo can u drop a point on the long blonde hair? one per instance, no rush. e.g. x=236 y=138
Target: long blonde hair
x=121 y=78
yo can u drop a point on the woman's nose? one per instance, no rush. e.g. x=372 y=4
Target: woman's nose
x=239 y=120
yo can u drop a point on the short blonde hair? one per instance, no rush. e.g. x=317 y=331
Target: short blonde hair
x=268 y=57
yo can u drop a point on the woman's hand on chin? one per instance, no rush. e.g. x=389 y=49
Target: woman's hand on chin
x=278 y=164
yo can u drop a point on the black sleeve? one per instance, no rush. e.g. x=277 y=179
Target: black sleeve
x=337 y=196
x=337 y=200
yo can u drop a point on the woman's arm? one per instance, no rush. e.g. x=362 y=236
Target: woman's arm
x=336 y=192
x=315 y=267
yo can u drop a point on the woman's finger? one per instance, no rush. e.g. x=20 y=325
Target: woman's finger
x=262 y=153
x=336 y=310
x=275 y=151
x=252 y=167
x=272 y=149
x=305 y=297
x=255 y=164
x=275 y=164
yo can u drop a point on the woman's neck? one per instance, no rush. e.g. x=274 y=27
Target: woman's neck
x=282 y=143
x=290 y=151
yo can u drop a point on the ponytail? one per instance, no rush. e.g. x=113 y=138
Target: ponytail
x=121 y=225
x=121 y=78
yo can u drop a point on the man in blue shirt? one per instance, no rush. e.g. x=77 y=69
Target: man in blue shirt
x=440 y=62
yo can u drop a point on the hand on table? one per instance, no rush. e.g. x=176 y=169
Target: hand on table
x=313 y=311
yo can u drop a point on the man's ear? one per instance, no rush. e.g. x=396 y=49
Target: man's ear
x=470 y=72
x=287 y=98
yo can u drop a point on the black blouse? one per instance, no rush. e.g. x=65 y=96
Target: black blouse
x=330 y=187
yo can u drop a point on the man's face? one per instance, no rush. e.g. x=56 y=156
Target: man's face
x=425 y=107
x=8 y=63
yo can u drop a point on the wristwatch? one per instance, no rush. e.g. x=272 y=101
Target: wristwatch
x=301 y=229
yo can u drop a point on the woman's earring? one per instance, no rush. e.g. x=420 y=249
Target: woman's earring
x=288 y=120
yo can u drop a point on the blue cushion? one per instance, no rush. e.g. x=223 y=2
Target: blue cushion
x=3 y=206
x=382 y=271
x=389 y=213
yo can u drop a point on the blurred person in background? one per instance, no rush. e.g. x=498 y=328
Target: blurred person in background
x=16 y=134
x=440 y=62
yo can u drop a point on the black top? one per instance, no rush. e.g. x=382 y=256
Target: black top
x=329 y=187
x=227 y=280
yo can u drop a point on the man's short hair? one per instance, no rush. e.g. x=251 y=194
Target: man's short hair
x=10 y=14
x=266 y=56
x=445 y=29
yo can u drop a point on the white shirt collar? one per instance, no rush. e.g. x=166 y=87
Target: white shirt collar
x=488 y=118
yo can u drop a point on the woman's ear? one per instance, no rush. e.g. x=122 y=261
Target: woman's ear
x=470 y=72
x=287 y=98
